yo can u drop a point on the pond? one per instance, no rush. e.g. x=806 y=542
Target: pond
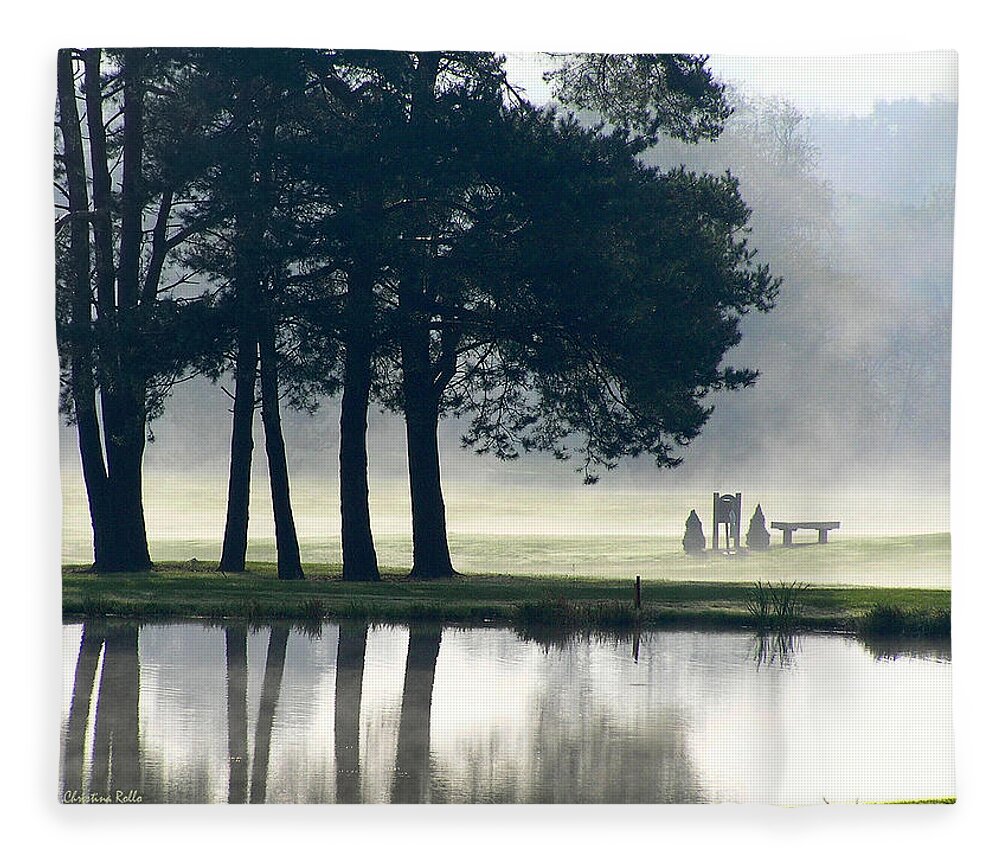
x=193 y=712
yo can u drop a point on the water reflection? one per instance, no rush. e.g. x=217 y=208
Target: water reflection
x=347 y=709
x=895 y=648
x=236 y=710
x=274 y=668
x=413 y=749
x=774 y=649
x=191 y=712
x=91 y=642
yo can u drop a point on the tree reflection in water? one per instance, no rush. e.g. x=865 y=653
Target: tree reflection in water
x=236 y=710
x=413 y=750
x=572 y=719
x=347 y=709
x=274 y=667
x=114 y=766
x=87 y=658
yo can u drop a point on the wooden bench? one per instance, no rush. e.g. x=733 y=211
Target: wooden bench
x=787 y=528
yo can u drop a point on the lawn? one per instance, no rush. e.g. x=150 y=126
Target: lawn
x=195 y=589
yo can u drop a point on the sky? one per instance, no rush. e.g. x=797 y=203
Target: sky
x=815 y=84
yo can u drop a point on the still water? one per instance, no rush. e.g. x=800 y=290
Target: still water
x=192 y=712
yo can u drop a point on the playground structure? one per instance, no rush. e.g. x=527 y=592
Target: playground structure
x=726 y=512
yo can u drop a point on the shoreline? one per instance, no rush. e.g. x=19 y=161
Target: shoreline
x=196 y=590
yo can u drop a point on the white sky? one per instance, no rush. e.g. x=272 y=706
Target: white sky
x=848 y=84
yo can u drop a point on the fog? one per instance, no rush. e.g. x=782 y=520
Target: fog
x=849 y=419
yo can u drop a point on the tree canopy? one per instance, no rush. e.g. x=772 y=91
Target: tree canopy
x=402 y=228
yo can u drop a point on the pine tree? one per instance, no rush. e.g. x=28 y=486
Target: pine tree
x=694 y=535
x=758 y=537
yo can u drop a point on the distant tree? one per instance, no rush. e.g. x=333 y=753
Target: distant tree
x=758 y=537
x=694 y=535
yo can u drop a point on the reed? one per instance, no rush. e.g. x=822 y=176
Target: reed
x=776 y=605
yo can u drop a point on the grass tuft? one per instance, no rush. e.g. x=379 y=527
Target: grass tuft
x=885 y=619
x=776 y=606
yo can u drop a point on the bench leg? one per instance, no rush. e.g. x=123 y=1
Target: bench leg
x=786 y=539
x=822 y=536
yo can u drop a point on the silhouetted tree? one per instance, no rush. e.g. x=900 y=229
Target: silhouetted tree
x=463 y=323
x=758 y=537
x=453 y=98
x=438 y=140
x=627 y=286
x=116 y=319
x=649 y=95
x=387 y=176
x=694 y=534
x=252 y=103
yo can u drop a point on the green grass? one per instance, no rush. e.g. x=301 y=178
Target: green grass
x=936 y=800
x=195 y=590
x=914 y=560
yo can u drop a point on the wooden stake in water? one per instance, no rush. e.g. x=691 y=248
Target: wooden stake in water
x=638 y=594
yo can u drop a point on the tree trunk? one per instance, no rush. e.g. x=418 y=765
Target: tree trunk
x=421 y=397
x=347 y=710
x=431 y=556
x=249 y=240
x=127 y=546
x=412 y=782
x=125 y=420
x=236 y=711
x=234 y=542
x=357 y=544
x=289 y=561
x=81 y=352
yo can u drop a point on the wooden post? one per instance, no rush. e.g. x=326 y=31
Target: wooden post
x=786 y=539
x=823 y=535
x=638 y=594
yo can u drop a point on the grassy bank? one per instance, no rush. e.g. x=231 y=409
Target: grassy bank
x=195 y=590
